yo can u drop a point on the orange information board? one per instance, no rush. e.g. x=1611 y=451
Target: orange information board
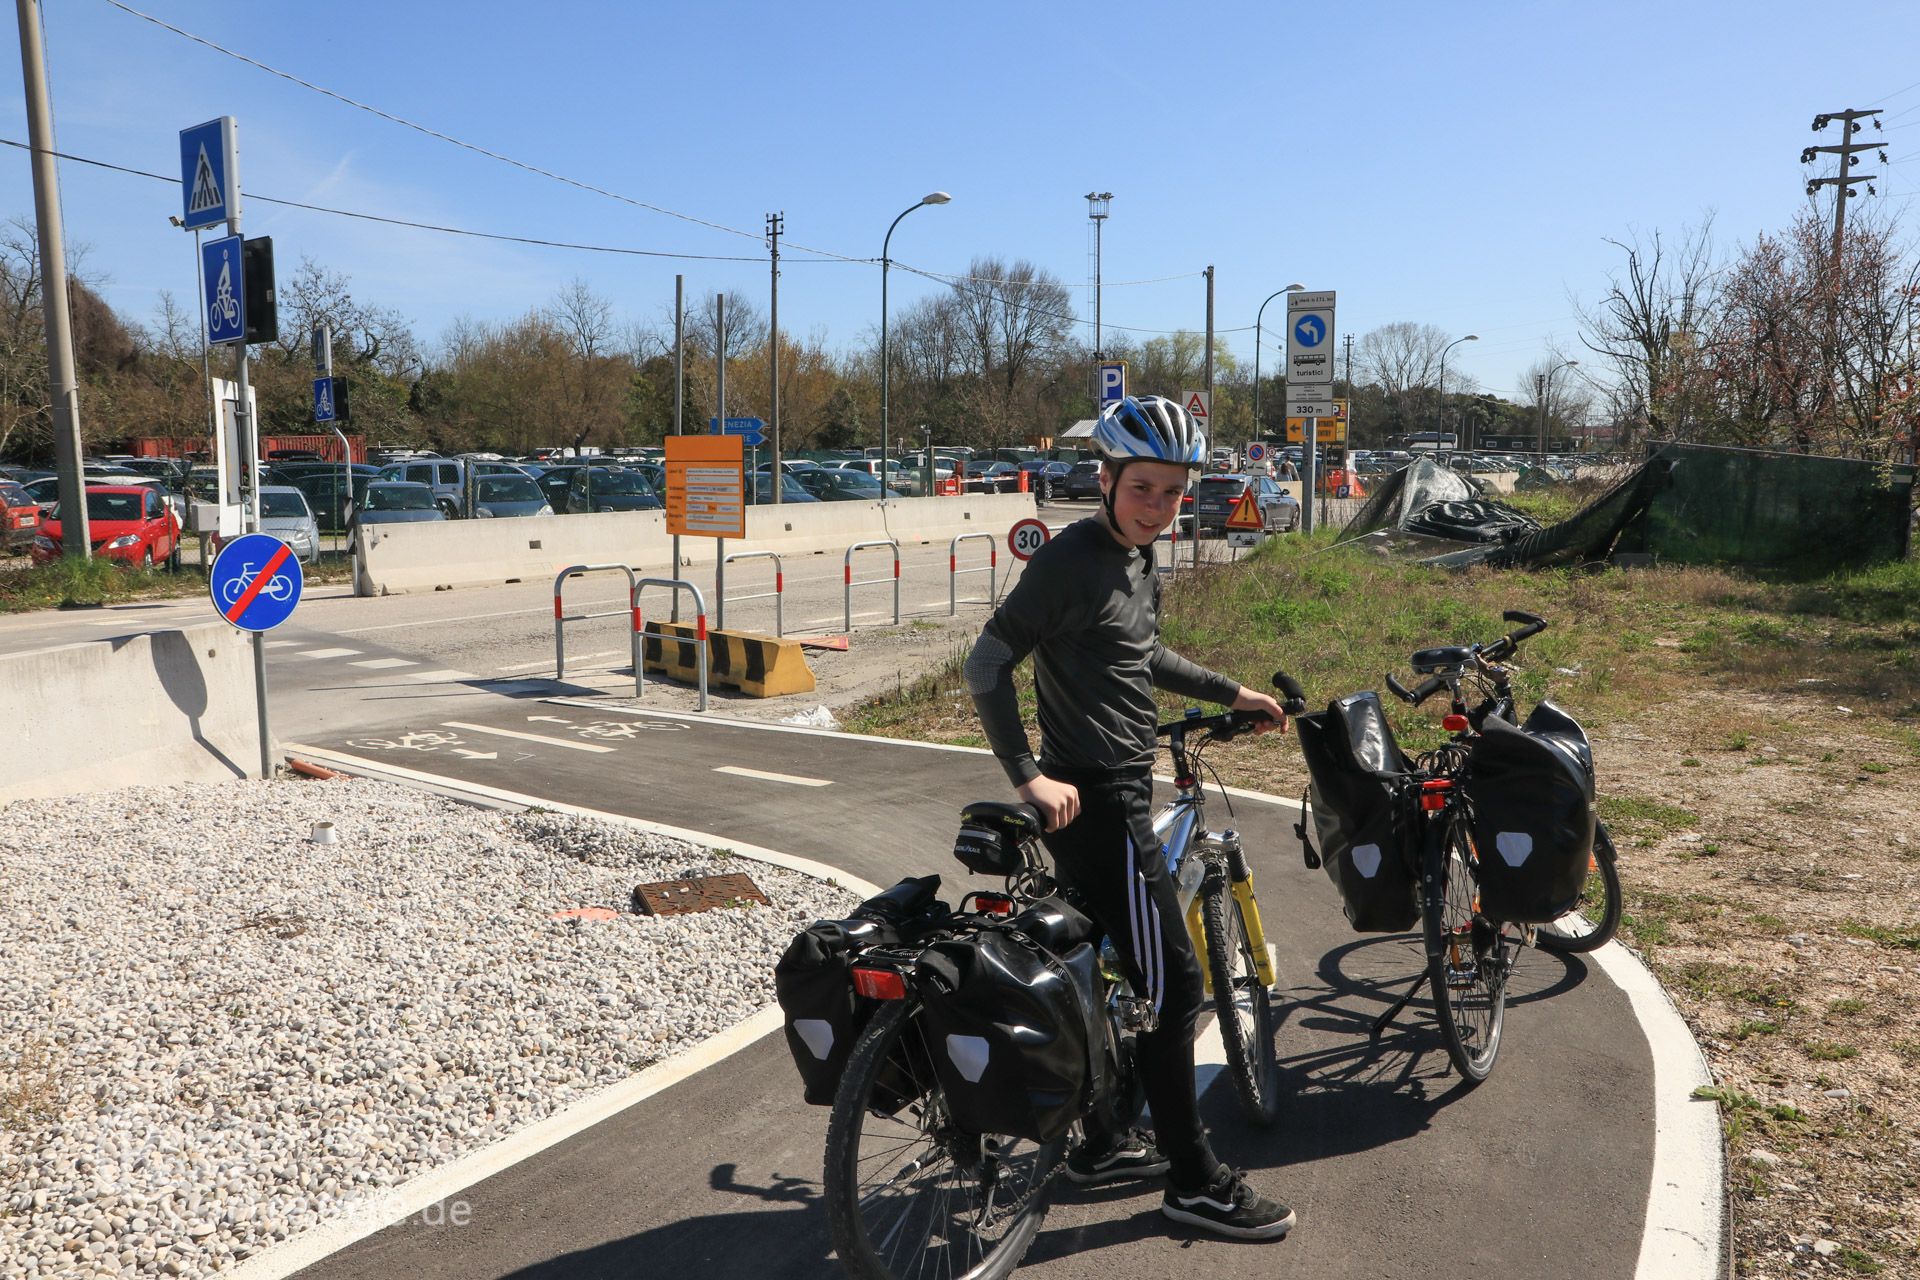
x=706 y=487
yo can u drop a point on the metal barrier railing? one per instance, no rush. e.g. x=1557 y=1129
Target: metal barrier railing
x=847 y=566
x=954 y=571
x=560 y=617
x=778 y=593
x=665 y=637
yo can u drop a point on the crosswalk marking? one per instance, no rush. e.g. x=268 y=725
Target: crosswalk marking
x=328 y=653
x=382 y=664
x=527 y=737
x=448 y=677
x=739 y=772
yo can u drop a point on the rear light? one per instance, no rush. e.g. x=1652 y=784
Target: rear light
x=1433 y=794
x=879 y=984
x=1454 y=724
x=995 y=904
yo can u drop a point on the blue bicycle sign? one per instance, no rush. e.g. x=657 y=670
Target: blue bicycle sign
x=256 y=582
x=224 y=286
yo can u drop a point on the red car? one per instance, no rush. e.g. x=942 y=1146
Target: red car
x=126 y=523
x=19 y=516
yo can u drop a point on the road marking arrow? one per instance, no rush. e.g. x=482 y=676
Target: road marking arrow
x=550 y=719
x=476 y=755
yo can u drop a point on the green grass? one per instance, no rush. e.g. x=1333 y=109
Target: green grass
x=69 y=582
x=1846 y=1008
x=1906 y=938
x=1632 y=815
x=1828 y=1051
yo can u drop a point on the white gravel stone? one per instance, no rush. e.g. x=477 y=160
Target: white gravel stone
x=215 y=1033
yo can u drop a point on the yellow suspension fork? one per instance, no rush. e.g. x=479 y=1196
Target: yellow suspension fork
x=1240 y=881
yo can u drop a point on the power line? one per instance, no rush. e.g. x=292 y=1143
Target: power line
x=448 y=138
x=422 y=226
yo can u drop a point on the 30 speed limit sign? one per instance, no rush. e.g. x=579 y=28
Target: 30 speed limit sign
x=1026 y=537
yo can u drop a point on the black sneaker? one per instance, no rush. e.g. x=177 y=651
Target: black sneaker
x=1132 y=1156
x=1228 y=1206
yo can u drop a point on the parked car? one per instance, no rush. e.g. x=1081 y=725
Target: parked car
x=1044 y=475
x=553 y=479
x=790 y=490
x=125 y=522
x=285 y=514
x=323 y=492
x=1215 y=497
x=447 y=477
x=498 y=496
x=396 y=502
x=1082 y=481
x=19 y=517
x=992 y=477
x=591 y=489
x=835 y=484
x=899 y=478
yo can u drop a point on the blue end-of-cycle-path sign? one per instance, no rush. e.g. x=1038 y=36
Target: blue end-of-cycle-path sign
x=256 y=582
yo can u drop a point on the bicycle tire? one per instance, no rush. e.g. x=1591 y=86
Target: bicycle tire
x=1243 y=1006
x=1467 y=958
x=899 y=1188
x=1596 y=917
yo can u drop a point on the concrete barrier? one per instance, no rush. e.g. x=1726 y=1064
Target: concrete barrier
x=759 y=666
x=165 y=707
x=397 y=558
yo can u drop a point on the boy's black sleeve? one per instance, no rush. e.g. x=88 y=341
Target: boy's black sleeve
x=1168 y=670
x=1038 y=606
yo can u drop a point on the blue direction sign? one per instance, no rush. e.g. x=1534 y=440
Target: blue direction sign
x=255 y=582
x=209 y=173
x=1310 y=330
x=224 y=289
x=323 y=400
x=750 y=430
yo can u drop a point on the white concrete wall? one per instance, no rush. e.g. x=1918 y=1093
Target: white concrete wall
x=467 y=553
x=166 y=707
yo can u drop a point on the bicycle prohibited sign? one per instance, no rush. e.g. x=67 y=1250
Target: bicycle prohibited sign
x=1026 y=537
x=255 y=582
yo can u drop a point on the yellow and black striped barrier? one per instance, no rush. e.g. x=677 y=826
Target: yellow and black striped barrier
x=759 y=666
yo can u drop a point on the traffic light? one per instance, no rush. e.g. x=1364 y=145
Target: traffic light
x=342 y=410
x=263 y=321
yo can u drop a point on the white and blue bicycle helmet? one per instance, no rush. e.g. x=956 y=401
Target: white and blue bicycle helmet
x=1150 y=429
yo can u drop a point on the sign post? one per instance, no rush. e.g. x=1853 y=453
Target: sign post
x=1310 y=372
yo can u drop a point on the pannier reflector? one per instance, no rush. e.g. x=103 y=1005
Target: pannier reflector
x=1514 y=846
x=995 y=905
x=969 y=1056
x=1454 y=724
x=1366 y=859
x=879 y=984
x=818 y=1035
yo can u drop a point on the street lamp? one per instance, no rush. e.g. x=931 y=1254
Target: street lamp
x=1441 y=424
x=936 y=197
x=1545 y=389
x=1292 y=288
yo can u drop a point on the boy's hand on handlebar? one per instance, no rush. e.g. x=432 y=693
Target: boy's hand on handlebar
x=1262 y=704
x=1057 y=801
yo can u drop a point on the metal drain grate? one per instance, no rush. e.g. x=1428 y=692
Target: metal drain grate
x=702 y=893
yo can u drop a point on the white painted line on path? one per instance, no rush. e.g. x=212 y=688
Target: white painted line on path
x=527 y=737
x=738 y=772
x=328 y=653
x=383 y=664
x=447 y=676
x=571 y=659
x=281 y=644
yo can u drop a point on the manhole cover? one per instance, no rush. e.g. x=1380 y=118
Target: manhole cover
x=702 y=893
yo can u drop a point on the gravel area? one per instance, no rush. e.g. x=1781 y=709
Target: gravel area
x=215 y=1033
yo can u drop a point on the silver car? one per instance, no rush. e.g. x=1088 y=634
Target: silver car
x=284 y=513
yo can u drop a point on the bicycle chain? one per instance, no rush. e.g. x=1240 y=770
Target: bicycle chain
x=1019 y=1206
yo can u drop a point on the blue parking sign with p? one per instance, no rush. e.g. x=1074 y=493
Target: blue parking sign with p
x=1113 y=382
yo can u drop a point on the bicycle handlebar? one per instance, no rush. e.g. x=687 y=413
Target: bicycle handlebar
x=1532 y=624
x=1419 y=693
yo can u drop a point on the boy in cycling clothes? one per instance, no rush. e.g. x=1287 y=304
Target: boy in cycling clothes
x=1087 y=608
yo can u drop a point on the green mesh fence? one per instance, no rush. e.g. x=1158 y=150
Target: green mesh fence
x=1785 y=512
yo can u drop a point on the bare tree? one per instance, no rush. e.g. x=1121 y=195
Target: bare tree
x=1402 y=359
x=1649 y=326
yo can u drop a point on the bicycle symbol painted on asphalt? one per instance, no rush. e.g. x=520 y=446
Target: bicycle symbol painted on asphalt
x=278 y=587
x=412 y=740
x=625 y=730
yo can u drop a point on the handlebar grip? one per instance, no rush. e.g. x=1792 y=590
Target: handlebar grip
x=1296 y=699
x=1400 y=691
x=1420 y=692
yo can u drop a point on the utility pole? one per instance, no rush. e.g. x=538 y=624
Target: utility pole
x=63 y=388
x=1350 y=395
x=1208 y=378
x=776 y=223
x=679 y=395
x=1842 y=182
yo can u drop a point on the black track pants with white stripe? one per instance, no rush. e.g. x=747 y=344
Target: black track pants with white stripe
x=1110 y=858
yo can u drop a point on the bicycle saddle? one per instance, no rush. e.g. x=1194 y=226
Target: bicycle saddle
x=1445 y=658
x=1021 y=821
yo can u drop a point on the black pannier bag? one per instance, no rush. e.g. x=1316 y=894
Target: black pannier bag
x=1531 y=790
x=1013 y=1031
x=1368 y=841
x=823 y=1015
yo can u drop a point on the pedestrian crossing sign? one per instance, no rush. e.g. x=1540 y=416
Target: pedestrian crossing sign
x=209 y=174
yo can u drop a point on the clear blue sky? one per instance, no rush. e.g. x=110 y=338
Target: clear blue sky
x=1455 y=164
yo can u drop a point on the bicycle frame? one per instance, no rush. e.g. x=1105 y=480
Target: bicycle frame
x=1190 y=848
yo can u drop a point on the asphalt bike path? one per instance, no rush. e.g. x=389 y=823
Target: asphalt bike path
x=1394 y=1168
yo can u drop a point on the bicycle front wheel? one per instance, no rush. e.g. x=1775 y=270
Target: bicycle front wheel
x=1240 y=1000
x=908 y=1192
x=1596 y=917
x=1467 y=959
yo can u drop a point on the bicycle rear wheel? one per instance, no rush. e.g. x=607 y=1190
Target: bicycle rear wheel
x=1240 y=1001
x=1595 y=918
x=910 y=1194
x=1468 y=957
